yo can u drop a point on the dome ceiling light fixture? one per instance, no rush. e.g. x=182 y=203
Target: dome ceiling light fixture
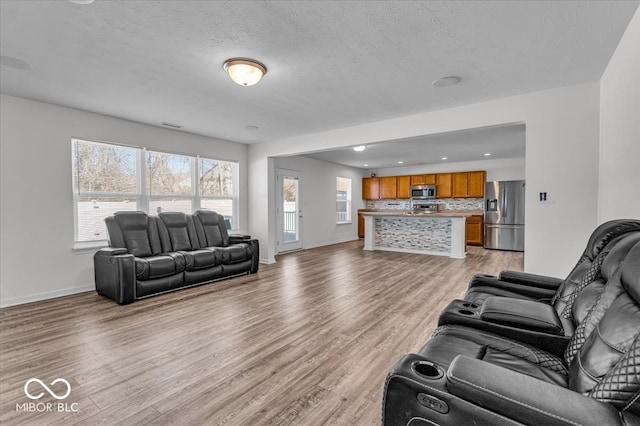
x=244 y=71
x=359 y=148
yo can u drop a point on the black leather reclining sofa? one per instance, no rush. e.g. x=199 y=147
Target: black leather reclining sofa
x=149 y=255
x=572 y=357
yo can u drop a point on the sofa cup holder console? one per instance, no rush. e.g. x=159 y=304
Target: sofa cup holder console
x=427 y=370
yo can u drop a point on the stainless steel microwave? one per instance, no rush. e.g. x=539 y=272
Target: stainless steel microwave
x=423 y=192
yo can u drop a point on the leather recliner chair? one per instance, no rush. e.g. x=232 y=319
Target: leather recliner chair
x=549 y=327
x=150 y=255
x=464 y=376
x=528 y=286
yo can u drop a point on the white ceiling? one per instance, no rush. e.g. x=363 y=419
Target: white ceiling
x=467 y=145
x=330 y=64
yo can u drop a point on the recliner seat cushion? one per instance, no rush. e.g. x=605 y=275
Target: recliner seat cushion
x=448 y=342
x=152 y=267
x=201 y=259
x=235 y=253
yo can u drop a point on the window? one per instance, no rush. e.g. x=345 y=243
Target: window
x=105 y=181
x=109 y=178
x=169 y=182
x=218 y=191
x=343 y=200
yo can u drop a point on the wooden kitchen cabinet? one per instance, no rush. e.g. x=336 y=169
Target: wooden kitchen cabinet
x=360 y=225
x=469 y=184
x=443 y=185
x=460 y=183
x=476 y=184
x=474 y=230
x=371 y=188
x=429 y=179
x=388 y=185
x=403 y=187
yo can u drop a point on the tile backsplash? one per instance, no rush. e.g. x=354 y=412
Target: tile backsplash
x=448 y=204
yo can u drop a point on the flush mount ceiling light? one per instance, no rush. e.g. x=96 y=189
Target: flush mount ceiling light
x=243 y=71
x=487 y=154
x=400 y=162
x=359 y=148
x=446 y=81
x=443 y=158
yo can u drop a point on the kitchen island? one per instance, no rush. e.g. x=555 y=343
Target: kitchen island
x=440 y=234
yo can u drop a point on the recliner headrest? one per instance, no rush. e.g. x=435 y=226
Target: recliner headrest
x=606 y=232
x=131 y=220
x=631 y=273
x=618 y=250
x=173 y=219
x=207 y=217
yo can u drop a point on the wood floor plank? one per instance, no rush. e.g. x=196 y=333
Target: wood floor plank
x=306 y=341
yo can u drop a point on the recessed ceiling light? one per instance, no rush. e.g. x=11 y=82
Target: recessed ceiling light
x=400 y=162
x=14 y=63
x=80 y=1
x=359 y=148
x=251 y=127
x=446 y=81
x=366 y=165
x=443 y=158
x=487 y=154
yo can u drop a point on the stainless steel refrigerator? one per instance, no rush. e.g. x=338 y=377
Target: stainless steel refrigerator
x=504 y=215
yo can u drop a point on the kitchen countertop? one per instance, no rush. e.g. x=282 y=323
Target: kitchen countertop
x=402 y=213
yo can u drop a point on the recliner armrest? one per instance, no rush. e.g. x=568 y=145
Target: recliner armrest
x=112 y=251
x=520 y=313
x=524 y=398
x=239 y=238
x=534 y=280
x=534 y=292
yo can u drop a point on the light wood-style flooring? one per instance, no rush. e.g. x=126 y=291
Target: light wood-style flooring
x=306 y=341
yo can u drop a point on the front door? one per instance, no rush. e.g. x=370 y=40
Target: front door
x=289 y=210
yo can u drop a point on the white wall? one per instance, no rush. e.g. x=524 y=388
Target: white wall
x=619 y=194
x=498 y=169
x=562 y=134
x=318 y=194
x=37 y=260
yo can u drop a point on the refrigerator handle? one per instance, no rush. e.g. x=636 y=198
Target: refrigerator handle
x=503 y=208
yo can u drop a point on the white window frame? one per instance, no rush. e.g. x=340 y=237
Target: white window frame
x=142 y=196
x=348 y=201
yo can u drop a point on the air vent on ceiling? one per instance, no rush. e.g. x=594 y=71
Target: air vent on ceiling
x=175 y=126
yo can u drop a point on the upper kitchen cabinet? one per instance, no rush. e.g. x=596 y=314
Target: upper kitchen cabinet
x=444 y=185
x=371 y=188
x=476 y=184
x=403 y=187
x=388 y=187
x=469 y=184
x=423 y=179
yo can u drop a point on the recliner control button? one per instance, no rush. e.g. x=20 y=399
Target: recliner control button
x=433 y=403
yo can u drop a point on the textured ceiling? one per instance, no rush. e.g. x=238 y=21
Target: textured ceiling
x=330 y=64
x=466 y=145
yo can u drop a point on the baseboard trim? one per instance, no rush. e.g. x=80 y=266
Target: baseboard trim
x=5 y=303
